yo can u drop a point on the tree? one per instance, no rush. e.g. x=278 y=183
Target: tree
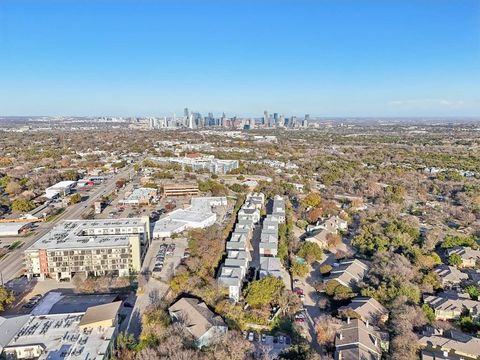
x=71 y=175
x=6 y=298
x=338 y=291
x=325 y=269
x=75 y=198
x=455 y=260
x=429 y=312
x=310 y=251
x=22 y=205
x=458 y=240
x=312 y=200
x=326 y=326
x=473 y=291
x=13 y=188
x=263 y=292
x=232 y=346
x=299 y=269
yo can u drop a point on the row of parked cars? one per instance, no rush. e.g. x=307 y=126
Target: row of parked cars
x=34 y=300
x=165 y=250
x=264 y=338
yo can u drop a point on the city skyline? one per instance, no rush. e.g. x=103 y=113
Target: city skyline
x=327 y=58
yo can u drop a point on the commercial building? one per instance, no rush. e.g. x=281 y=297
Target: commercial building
x=13 y=228
x=60 y=189
x=198 y=215
x=204 y=163
x=90 y=247
x=140 y=196
x=75 y=336
x=204 y=325
x=173 y=190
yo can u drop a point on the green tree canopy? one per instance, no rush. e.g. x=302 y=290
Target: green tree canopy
x=6 y=298
x=22 y=205
x=263 y=292
x=310 y=251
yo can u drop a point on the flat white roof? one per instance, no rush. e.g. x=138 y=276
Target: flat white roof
x=12 y=227
x=72 y=234
x=61 y=337
x=62 y=184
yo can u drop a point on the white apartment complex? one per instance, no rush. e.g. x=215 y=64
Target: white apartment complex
x=203 y=163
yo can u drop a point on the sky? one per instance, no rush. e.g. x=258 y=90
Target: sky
x=241 y=57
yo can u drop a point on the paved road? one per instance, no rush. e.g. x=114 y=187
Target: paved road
x=11 y=265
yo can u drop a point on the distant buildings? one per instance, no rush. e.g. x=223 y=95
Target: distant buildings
x=90 y=247
x=204 y=325
x=204 y=163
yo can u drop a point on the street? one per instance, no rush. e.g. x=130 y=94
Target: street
x=12 y=264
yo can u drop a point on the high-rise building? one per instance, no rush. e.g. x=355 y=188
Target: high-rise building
x=265 y=118
x=186 y=113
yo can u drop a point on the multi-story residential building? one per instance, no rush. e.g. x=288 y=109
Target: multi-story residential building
x=348 y=272
x=90 y=247
x=451 y=305
x=449 y=275
x=365 y=308
x=204 y=325
x=449 y=345
x=360 y=340
x=470 y=257
x=204 y=163
x=278 y=209
x=270 y=266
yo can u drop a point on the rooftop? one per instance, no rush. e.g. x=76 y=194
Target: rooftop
x=74 y=234
x=60 y=336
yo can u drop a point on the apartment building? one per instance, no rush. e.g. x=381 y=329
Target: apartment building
x=90 y=247
x=203 y=163
x=278 y=209
x=451 y=305
x=238 y=248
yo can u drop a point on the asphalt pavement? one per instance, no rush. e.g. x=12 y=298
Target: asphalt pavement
x=12 y=264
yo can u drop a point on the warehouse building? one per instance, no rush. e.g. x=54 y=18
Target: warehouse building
x=198 y=215
x=62 y=188
x=90 y=247
x=13 y=228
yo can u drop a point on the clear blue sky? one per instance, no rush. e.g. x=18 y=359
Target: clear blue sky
x=326 y=58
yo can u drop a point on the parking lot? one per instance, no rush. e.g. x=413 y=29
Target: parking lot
x=164 y=257
x=268 y=344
